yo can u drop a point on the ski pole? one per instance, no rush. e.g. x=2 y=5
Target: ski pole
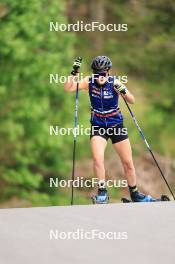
x=74 y=146
x=75 y=140
x=148 y=146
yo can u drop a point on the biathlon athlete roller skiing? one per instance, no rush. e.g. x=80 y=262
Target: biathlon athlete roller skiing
x=104 y=91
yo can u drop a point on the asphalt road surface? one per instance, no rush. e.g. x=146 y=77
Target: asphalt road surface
x=141 y=233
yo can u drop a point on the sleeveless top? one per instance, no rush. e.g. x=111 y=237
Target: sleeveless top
x=105 y=111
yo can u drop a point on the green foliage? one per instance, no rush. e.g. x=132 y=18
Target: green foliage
x=29 y=52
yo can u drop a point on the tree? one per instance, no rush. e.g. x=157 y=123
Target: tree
x=29 y=52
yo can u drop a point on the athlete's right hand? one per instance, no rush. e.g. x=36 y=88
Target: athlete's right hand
x=76 y=65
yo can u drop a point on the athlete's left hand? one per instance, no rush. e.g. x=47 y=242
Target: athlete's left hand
x=120 y=87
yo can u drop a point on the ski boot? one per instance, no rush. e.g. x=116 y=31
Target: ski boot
x=140 y=197
x=101 y=198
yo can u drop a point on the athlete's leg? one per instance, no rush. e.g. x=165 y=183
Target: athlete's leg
x=98 y=145
x=124 y=151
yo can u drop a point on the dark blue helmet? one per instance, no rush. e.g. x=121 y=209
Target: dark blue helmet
x=101 y=63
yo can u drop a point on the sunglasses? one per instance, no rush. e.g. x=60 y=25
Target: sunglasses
x=98 y=74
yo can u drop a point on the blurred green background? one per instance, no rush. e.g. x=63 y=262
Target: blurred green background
x=29 y=104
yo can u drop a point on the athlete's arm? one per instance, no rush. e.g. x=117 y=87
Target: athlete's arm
x=129 y=97
x=71 y=84
x=123 y=91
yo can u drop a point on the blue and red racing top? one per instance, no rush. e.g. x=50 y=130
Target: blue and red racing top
x=105 y=111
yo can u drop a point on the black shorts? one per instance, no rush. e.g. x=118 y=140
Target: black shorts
x=116 y=134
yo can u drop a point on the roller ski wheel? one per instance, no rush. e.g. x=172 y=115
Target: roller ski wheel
x=148 y=198
x=125 y=200
x=165 y=198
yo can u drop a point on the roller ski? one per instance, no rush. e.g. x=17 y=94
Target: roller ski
x=140 y=197
x=101 y=197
